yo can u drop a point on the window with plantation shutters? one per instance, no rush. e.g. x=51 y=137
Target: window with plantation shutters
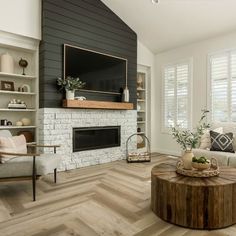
x=177 y=100
x=223 y=86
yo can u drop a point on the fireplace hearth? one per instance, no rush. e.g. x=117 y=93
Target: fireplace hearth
x=89 y=138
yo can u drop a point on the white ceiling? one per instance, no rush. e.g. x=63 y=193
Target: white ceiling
x=173 y=23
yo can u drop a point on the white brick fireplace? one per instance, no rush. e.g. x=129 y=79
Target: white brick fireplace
x=56 y=125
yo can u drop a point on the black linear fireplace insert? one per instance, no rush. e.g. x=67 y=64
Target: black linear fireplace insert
x=88 y=138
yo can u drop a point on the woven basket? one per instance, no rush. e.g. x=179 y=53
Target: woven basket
x=135 y=156
x=213 y=170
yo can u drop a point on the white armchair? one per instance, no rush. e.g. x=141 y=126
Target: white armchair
x=28 y=165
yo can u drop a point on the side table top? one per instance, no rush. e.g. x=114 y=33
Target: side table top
x=167 y=172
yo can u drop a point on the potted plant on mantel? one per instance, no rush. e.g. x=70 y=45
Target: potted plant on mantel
x=189 y=139
x=70 y=84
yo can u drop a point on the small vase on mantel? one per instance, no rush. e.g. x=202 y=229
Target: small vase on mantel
x=187 y=159
x=70 y=94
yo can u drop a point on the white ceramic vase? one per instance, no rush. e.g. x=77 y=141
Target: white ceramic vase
x=187 y=159
x=126 y=94
x=70 y=94
x=7 y=63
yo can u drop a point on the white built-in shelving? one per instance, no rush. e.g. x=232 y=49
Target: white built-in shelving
x=26 y=48
x=142 y=103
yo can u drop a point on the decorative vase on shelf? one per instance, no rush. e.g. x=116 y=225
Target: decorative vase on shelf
x=70 y=94
x=187 y=159
x=139 y=81
x=7 y=63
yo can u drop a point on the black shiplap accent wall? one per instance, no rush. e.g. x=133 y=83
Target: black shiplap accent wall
x=84 y=23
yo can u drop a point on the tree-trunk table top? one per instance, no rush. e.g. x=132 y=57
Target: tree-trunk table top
x=204 y=203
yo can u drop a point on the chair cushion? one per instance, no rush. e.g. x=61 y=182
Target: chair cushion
x=22 y=166
x=15 y=144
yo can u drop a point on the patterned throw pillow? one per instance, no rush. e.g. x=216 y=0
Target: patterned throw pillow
x=221 y=142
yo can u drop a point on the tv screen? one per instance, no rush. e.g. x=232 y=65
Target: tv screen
x=102 y=73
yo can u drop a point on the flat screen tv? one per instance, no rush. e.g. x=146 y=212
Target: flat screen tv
x=102 y=73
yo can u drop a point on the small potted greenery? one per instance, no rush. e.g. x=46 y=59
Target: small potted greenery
x=200 y=163
x=188 y=139
x=70 y=84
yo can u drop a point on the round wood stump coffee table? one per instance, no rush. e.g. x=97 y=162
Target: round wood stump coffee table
x=201 y=203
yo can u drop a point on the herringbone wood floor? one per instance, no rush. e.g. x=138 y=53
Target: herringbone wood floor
x=110 y=199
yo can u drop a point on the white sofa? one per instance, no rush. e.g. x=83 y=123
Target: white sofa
x=223 y=158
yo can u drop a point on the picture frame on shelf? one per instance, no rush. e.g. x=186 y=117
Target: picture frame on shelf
x=7 y=85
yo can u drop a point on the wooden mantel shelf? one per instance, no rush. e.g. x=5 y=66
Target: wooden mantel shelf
x=98 y=105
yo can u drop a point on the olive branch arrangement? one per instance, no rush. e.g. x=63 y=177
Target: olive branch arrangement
x=188 y=139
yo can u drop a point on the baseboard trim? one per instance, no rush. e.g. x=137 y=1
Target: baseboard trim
x=167 y=152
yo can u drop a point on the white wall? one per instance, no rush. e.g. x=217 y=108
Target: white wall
x=21 y=17
x=199 y=52
x=146 y=58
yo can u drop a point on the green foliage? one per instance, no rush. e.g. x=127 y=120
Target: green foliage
x=202 y=160
x=188 y=139
x=70 y=83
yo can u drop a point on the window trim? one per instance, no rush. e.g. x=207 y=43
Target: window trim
x=189 y=61
x=209 y=87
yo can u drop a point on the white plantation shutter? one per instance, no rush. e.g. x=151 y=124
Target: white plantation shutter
x=223 y=86
x=177 y=95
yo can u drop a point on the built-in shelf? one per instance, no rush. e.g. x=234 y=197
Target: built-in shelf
x=17 y=127
x=24 y=87
x=20 y=110
x=16 y=92
x=141 y=122
x=140 y=133
x=98 y=105
x=140 y=89
x=141 y=111
x=140 y=100
x=30 y=143
x=2 y=74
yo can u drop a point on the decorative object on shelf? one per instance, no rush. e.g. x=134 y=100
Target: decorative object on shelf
x=3 y=122
x=200 y=163
x=138 y=130
x=17 y=104
x=19 y=123
x=80 y=98
x=7 y=85
x=139 y=118
x=125 y=96
x=28 y=135
x=138 y=95
x=135 y=156
x=213 y=170
x=23 y=63
x=24 y=88
x=26 y=121
x=9 y=123
x=139 y=139
x=138 y=107
x=139 y=81
x=7 y=63
x=189 y=139
x=70 y=84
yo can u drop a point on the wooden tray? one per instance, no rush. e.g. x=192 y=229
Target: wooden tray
x=212 y=171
